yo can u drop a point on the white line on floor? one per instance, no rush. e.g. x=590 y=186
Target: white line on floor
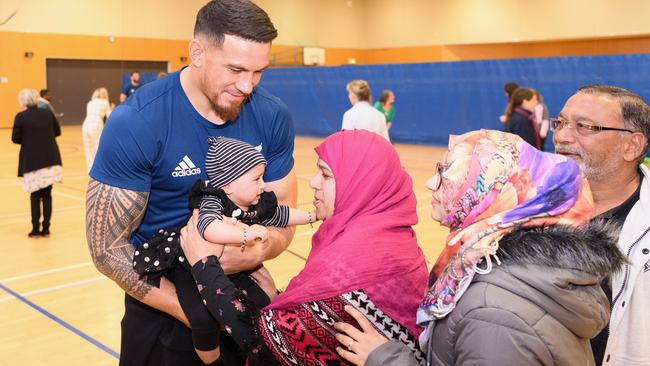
x=55 y=288
x=46 y=272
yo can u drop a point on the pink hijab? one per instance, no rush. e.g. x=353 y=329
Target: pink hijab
x=368 y=243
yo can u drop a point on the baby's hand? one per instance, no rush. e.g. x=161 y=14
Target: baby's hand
x=255 y=232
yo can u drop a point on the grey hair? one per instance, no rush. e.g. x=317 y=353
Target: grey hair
x=28 y=98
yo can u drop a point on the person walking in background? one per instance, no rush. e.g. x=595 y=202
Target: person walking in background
x=131 y=86
x=385 y=105
x=97 y=111
x=541 y=117
x=520 y=118
x=508 y=89
x=45 y=102
x=39 y=162
x=362 y=115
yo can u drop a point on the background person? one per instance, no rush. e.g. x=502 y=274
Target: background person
x=362 y=115
x=129 y=88
x=97 y=111
x=520 y=118
x=45 y=102
x=541 y=117
x=39 y=161
x=508 y=89
x=385 y=105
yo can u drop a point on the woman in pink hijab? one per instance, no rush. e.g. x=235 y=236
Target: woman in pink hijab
x=364 y=255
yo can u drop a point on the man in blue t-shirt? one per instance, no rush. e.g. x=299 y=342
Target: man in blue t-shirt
x=131 y=87
x=153 y=149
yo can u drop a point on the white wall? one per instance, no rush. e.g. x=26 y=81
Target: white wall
x=334 y=23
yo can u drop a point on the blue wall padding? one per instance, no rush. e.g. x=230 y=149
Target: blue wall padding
x=434 y=100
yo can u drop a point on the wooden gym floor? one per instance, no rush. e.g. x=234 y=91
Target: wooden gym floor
x=56 y=309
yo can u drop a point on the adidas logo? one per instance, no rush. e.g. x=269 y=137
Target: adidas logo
x=185 y=168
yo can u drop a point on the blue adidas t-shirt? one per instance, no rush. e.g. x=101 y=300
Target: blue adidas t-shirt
x=157 y=142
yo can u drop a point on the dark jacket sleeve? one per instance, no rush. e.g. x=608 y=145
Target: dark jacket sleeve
x=487 y=338
x=523 y=128
x=17 y=131
x=391 y=353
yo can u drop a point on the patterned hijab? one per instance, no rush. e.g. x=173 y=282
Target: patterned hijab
x=492 y=182
x=369 y=242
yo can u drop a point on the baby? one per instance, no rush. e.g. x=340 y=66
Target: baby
x=233 y=209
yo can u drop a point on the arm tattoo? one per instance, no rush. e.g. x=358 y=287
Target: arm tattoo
x=112 y=214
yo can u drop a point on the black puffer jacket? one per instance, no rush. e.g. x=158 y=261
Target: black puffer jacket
x=539 y=307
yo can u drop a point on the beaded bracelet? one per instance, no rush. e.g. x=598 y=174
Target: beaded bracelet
x=311 y=220
x=243 y=244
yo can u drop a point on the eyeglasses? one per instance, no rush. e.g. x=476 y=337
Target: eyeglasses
x=582 y=128
x=436 y=181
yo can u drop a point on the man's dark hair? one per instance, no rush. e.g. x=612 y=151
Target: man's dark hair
x=239 y=18
x=44 y=92
x=634 y=110
x=385 y=94
x=134 y=72
x=510 y=87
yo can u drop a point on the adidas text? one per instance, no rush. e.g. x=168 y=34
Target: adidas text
x=186 y=172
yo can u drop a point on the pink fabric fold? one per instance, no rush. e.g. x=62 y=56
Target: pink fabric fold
x=369 y=242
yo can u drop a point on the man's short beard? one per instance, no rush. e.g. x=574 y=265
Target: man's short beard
x=591 y=171
x=229 y=113
x=597 y=173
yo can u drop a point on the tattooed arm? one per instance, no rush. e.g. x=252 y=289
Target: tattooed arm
x=112 y=214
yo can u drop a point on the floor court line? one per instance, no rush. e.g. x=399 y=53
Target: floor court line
x=45 y=272
x=58 y=287
x=62 y=322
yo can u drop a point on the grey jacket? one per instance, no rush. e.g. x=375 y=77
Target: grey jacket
x=539 y=307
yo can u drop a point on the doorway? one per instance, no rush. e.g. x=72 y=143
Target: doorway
x=72 y=82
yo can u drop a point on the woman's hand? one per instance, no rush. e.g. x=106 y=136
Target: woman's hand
x=358 y=344
x=193 y=244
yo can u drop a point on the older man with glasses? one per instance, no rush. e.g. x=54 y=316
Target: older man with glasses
x=606 y=130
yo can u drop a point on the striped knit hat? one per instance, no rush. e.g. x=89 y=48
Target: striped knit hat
x=229 y=159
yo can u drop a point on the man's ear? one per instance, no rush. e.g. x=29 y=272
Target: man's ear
x=197 y=52
x=634 y=147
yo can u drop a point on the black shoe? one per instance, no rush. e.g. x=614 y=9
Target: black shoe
x=44 y=233
x=34 y=234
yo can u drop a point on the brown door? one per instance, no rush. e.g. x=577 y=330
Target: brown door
x=72 y=82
